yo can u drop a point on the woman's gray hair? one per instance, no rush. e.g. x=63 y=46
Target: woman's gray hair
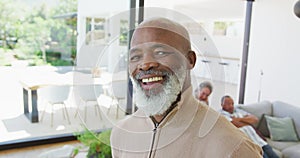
x=205 y=84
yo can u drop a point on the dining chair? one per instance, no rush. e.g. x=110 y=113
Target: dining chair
x=55 y=95
x=118 y=91
x=88 y=95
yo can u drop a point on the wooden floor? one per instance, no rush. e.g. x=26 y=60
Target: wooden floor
x=34 y=151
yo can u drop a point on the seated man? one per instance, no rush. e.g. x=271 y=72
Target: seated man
x=203 y=92
x=244 y=121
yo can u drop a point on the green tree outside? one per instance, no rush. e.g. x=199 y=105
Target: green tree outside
x=33 y=34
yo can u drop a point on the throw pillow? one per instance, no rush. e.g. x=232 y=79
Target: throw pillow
x=263 y=127
x=281 y=129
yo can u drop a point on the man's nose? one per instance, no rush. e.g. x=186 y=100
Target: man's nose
x=148 y=62
x=148 y=66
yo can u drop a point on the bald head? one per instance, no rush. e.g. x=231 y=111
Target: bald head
x=177 y=31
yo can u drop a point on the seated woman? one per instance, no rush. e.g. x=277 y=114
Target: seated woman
x=203 y=92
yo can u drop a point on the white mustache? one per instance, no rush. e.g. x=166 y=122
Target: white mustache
x=149 y=72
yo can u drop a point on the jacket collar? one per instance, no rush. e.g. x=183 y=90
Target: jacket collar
x=179 y=119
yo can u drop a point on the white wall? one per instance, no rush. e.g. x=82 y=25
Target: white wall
x=274 y=49
x=230 y=47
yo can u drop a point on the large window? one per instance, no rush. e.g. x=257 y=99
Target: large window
x=55 y=85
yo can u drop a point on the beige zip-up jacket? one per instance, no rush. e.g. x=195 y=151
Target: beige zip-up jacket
x=191 y=130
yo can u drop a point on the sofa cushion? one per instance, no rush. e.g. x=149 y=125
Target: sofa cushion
x=263 y=127
x=281 y=129
x=280 y=145
x=281 y=109
x=258 y=109
x=292 y=152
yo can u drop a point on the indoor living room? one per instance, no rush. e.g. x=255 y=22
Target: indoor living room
x=271 y=66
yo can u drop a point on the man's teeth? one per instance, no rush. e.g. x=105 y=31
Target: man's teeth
x=152 y=79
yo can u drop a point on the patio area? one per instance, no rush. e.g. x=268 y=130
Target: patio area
x=15 y=125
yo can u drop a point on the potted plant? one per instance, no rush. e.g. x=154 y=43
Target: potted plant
x=98 y=143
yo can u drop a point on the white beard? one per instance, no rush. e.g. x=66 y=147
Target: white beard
x=157 y=104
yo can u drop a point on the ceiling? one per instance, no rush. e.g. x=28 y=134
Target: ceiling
x=204 y=9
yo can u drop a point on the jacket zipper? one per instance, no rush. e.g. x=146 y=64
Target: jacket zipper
x=153 y=138
x=156 y=124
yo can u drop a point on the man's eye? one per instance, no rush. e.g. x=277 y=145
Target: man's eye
x=161 y=53
x=134 y=58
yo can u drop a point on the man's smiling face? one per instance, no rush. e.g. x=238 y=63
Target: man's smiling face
x=160 y=61
x=155 y=55
x=157 y=67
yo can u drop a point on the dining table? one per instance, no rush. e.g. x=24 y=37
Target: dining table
x=35 y=79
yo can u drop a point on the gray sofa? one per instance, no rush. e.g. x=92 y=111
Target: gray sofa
x=284 y=149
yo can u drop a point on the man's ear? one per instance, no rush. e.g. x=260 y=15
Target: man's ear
x=191 y=56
